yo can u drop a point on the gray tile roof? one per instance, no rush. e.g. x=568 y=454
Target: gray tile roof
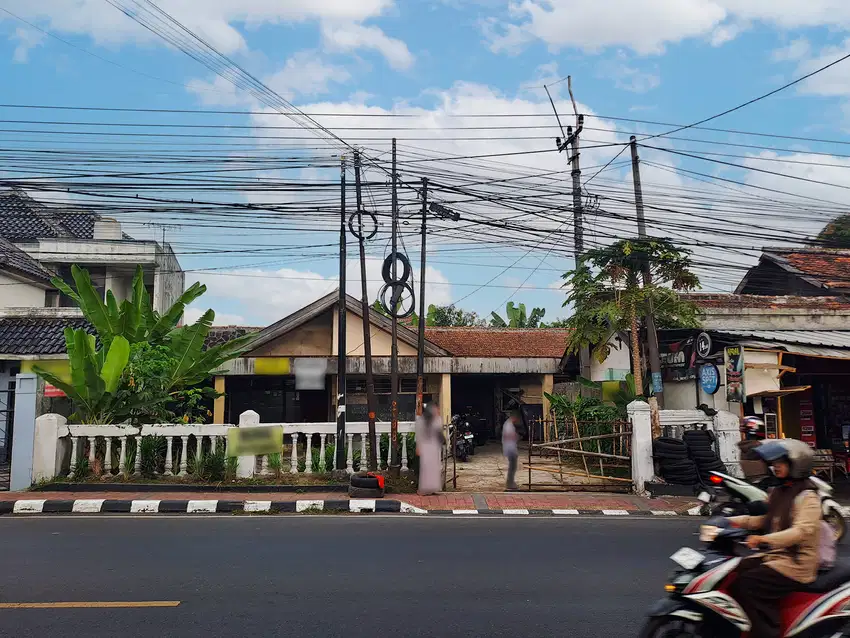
x=222 y=334
x=13 y=258
x=23 y=219
x=37 y=335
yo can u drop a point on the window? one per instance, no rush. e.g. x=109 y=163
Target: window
x=383 y=386
x=355 y=386
x=408 y=385
x=51 y=299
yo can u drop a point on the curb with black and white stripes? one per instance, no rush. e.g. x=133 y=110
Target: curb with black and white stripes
x=353 y=506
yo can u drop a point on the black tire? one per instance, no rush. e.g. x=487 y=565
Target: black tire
x=365 y=482
x=669 y=627
x=365 y=492
x=703 y=454
x=673 y=466
x=387 y=268
x=666 y=444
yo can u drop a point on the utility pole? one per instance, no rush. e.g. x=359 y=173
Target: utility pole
x=420 y=351
x=657 y=398
x=367 y=326
x=395 y=468
x=341 y=359
x=572 y=143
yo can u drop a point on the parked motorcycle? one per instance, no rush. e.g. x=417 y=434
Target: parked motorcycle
x=464 y=440
x=745 y=498
x=699 y=603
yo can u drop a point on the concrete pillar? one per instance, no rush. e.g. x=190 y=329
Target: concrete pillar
x=50 y=447
x=727 y=428
x=23 y=442
x=246 y=464
x=643 y=468
x=218 y=404
x=446 y=397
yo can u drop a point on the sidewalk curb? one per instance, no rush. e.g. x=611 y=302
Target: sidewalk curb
x=353 y=506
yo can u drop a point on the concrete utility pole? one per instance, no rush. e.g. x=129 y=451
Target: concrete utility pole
x=420 y=350
x=395 y=467
x=367 y=326
x=341 y=359
x=656 y=400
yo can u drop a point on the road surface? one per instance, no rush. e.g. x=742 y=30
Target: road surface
x=334 y=576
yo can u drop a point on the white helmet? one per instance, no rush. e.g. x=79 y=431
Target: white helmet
x=797 y=454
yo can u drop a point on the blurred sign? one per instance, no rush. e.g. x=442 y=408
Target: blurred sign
x=310 y=373
x=271 y=365
x=678 y=360
x=52 y=391
x=253 y=441
x=735 y=375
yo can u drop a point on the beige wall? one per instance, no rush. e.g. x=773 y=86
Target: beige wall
x=532 y=389
x=381 y=340
x=17 y=294
x=313 y=339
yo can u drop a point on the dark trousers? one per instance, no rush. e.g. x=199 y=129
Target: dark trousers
x=512 y=460
x=759 y=590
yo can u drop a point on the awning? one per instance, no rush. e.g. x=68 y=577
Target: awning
x=825 y=344
x=781 y=393
x=802 y=350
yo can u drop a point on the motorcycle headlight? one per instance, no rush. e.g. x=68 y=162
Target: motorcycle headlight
x=678 y=582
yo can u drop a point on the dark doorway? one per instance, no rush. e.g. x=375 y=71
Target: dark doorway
x=275 y=399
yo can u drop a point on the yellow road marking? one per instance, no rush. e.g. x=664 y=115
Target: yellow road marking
x=91 y=605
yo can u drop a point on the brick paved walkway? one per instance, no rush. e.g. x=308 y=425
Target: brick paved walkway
x=447 y=501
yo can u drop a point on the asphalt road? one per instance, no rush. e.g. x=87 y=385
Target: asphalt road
x=324 y=576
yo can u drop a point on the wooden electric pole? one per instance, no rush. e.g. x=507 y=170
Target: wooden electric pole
x=420 y=351
x=367 y=326
x=341 y=359
x=395 y=467
x=656 y=400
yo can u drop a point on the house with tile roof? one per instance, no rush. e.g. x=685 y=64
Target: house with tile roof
x=803 y=272
x=482 y=370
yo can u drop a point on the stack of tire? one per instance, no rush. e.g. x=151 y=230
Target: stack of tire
x=674 y=464
x=366 y=485
x=700 y=445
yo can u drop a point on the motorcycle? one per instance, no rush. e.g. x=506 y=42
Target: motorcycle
x=464 y=440
x=745 y=498
x=699 y=603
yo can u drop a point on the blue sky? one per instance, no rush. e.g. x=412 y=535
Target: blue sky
x=674 y=61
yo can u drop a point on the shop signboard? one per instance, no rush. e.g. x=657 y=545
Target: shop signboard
x=678 y=360
x=709 y=378
x=735 y=391
x=807 y=420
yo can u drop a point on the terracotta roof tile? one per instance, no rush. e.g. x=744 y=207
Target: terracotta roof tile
x=830 y=267
x=500 y=342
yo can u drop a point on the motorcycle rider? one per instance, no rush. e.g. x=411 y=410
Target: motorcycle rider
x=793 y=525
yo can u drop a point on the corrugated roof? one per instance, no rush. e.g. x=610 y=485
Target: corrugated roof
x=829 y=338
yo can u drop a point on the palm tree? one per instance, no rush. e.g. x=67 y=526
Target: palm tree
x=607 y=297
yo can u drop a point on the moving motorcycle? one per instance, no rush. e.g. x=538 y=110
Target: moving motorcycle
x=699 y=603
x=745 y=498
x=464 y=440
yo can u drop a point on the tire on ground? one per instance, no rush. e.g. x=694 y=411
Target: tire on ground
x=364 y=492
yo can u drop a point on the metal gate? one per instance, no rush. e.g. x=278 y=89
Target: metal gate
x=582 y=456
x=7 y=420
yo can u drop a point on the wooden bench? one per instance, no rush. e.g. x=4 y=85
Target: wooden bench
x=825 y=464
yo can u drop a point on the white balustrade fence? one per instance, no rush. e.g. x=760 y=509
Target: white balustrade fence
x=117 y=449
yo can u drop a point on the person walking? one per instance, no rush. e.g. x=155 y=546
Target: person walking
x=430 y=442
x=510 y=437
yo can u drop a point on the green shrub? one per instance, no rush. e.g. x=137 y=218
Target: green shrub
x=154 y=449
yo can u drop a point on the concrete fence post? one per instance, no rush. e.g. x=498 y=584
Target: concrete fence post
x=247 y=464
x=727 y=428
x=643 y=468
x=51 y=447
x=23 y=435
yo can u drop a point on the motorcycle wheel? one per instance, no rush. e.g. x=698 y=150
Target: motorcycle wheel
x=729 y=508
x=669 y=627
x=836 y=521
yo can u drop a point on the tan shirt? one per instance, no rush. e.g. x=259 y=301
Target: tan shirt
x=804 y=533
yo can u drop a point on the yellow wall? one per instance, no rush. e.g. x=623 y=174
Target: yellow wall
x=218 y=404
x=59 y=367
x=381 y=340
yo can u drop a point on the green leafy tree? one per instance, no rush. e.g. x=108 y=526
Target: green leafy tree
x=607 y=296
x=517 y=317
x=836 y=234
x=440 y=316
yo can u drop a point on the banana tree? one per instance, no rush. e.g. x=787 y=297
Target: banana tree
x=517 y=317
x=135 y=318
x=96 y=375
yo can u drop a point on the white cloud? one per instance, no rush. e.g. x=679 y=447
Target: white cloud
x=212 y=19
x=834 y=81
x=648 y=26
x=193 y=313
x=628 y=77
x=27 y=40
x=795 y=50
x=353 y=36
